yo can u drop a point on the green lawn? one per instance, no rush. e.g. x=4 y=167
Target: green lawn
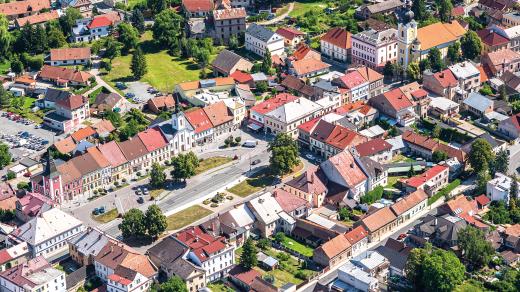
x=164 y=71
x=212 y=162
x=132 y=3
x=4 y=67
x=252 y=185
x=155 y=193
x=298 y=247
x=219 y=287
x=107 y=216
x=186 y=217
x=302 y=6
x=392 y=181
x=92 y=96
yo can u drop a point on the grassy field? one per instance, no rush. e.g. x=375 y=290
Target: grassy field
x=392 y=180
x=164 y=71
x=107 y=216
x=252 y=185
x=302 y=6
x=286 y=271
x=298 y=247
x=186 y=217
x=212 y=162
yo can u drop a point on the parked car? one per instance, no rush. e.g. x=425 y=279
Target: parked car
x=129 y=95
x=309 y=156
x=145 y=191
x=138 y=192
x=250 y=144
x=121 y=85
x=255 y=162
x=140 y=200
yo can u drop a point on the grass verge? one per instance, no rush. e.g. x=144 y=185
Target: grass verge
x=253 y=184
x=107 y=216
x=186 y=217
x=212 y=162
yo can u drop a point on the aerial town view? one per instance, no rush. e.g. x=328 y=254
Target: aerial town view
x=259 y=145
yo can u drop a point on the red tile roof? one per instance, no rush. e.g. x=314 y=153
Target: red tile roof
x=457 y=11
x=397 y=99
x=446 y=78
x=70 y=54
x=152 y=139
x=342 y=137
x=73 y=102
x=483 y=74
x=63 y=73
x=460 y=205
x=218 y=113
x=352 y=79
x=408 y=202
x=198 y=119
x=307 y=127
x=372 y=147
x=231 y=13
x=349 y=107
x=491 y=38
x=378 y=219
x=335 y=246
x=421 y=179
x=112 y=153
x=347 y=168
x=241 y=77
x=21 y=7
x=273 y=103
x=356 y=234
x=119 y=279
x=83 y=133
x=289 y=32
x=308 y=66
x=432 y=145
x=37 y=18
x=201 y=243
x=482 y=200
x=288 y=201
x=198 y=5
x=311 y=182
x=100 y=21
x=304 y=51
x=339 y=37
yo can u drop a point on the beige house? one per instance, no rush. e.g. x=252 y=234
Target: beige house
x=379 y=223
x=333 y=252
x=287 y=118
x=309 y=186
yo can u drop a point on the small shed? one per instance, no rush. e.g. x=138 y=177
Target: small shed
x=267 y=262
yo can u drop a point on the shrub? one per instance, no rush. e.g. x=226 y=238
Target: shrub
x=279 y=237
x=263 y=243
x=301 y=275
x=444 y=191
x=373 y=196
x=10 y=175
x=138 y=173
x=116 y=183
x=124 y=180
x=206 y=202
x=238 y=139
x=214 y=205
x=269 y=278
x=95 y=192
x=283 y=256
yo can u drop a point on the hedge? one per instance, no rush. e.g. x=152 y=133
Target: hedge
x=373 y=196
x=446 y=190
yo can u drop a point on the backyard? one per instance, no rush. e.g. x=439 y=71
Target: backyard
x=164 y=71
x=302 y=249
x=392 y=181
x=186 y=217
x=302 y=6
x=253 y=184
x=212 y=162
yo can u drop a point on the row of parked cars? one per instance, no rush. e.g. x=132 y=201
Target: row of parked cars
x=25 y=140
x=17 y=118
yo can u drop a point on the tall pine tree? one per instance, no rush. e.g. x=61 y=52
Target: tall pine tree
x=267 y=62
x=248 y=257
x=138 y=66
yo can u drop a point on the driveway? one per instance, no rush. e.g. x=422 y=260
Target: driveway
x=279 y=17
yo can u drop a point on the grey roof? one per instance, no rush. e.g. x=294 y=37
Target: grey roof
x=259 y=76
x=441 y=229
x=168 y=251
x=226 y=60
x=259 y=32
x=325 y=85
x=89 y=242
x=53 y=95
x=28 y=162
x=109 y=99
x=371 y=167
x=486 y=136
x=76 y=277
x=478 y=101
x=384 y=6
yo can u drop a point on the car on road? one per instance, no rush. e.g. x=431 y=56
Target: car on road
x=140 y=200
x=138 y=192
x=309 y=156
x=250 y=144
x=255 y=162
x=145 y=191
x=402 y=236
x=129 y=95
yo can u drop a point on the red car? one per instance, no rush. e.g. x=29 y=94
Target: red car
x=401 y=236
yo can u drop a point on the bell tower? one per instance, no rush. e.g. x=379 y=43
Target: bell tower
x=407 y=34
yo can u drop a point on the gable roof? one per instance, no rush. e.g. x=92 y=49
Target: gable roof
x=303 y=52
x=289 y=32
x=226 y=60
x=230 y=13
x=109 y=99
x=346 y=167
x=72 y=102
x=132 y=148
x=335 y=246
x=491 y=38
x=369 y=74
x=198 y=5
x=446 y=78
x=478 y=101
x=378 y=219
x=66 y=145
x=198 y=119
x=309 y=65
x=338 y=37
x=70 y=54
x=342 y=137
x=421 y=179
x=408 y=202
x=218 y=113
x=112 y=153
x=294 y=110
x=311 y=181
x=372 y=147
x=83 y=133
x=397 y=99
x=265 y=208
x=63 y=73
x=288 y=201
x=352 y=80
x=260 y=32
x=152 y=139
x=502 y=56
x=439 y=33
x=293 y=82
x=356 y=234
x=241 y=77
x=37 y=18
x=22 y=7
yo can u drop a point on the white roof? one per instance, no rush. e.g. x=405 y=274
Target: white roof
x=46 y=226
x=478 y=101
x=322 y=221
x=294 y=110
x=496 y=116
x=266 y=208
x=373 y=131
x=496 y=81
x=369 y=260
x=464 y=70
x=513 y=32
x=331 y=117
x=331 y=75
x=349 y=269
x=287 y=218
x=443 y=103
x=18 y=250
x=44 y=276
x=327 y=101
x=240 y=216
x=17 y=168
x=396 y=142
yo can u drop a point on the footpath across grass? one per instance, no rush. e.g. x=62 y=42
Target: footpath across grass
x=186 y=217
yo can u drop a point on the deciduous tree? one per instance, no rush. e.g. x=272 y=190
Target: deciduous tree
x=128 y=36
x=471 y=45
x=155 y=221
x=284 y=154
x=481 y=155
x=167 y=28
x=174 y=284
x=435 y=59
x=445 y=10
x=475 y=248
x=133 y=224
x=137 y=20
x=5 y=155
x=157 y=175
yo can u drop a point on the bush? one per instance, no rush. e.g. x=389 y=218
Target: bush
x=373 y=196
x=22 y=185
x=444 y=191
x=238 y=139
x=10 y=175
x=214 y=205
x=116 y=183
x=263 y=243
x=279 y=237
x=138 y=173
x=206 y=202
x=95 y=192
x=283 y=256
x=124 y=180
x=301 y=275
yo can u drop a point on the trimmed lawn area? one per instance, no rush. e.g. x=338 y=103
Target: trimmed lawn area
x=154 y=193
x=107 y=216
x=132 y=3
x=212 y=162
x=252 y=185
x=402 y=158
x=392 y=181
x=164 y=71
x=298 y=247
x=302 y=6
x=296 y=171
x=186 y=217
x=219 y=287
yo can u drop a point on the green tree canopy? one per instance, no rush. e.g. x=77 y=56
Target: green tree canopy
x=128 y=36
x=419 y=10
x=435 y=59
x=248 y=257
x=137 y=20
x=445 y=8
x=174 y=284
x=6 y=38
x=157 y=175
x=471 y=45
x=184 y=165
x=481 y=155
x=475 y=248
x=267 y=62
x=167 y=28
x=429 y=269
x=155 y=221
x=439 y=155
x=500 y=163
x=68 y=20
x=133 y=224
x=138 y=65
x=5 y=156
x=413 y=71
x=284 y=154
x=454 y=53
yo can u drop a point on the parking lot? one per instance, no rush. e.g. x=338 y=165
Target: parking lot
x=34 y=137
x=138 y=91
